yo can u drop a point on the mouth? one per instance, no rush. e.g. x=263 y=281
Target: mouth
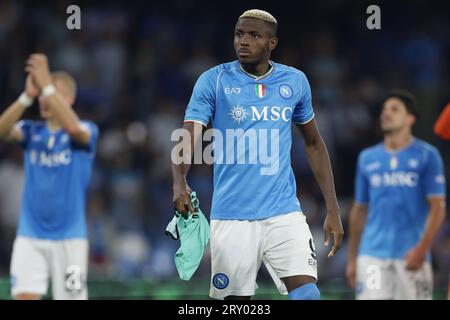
x=243 y=53
x=386 y=124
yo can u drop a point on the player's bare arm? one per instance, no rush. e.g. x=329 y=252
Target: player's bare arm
x=181 y=189
x=319 y=161
x=15 y=111
x=416 y=256
x=37 y=67
x=358 y=216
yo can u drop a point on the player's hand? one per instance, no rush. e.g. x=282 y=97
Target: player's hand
x=350 y=273
x=182 y=198
x=333 y=226
x=415 y=258
x=30 y=87
x=37 y=67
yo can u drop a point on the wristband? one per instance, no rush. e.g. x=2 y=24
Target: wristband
x=25 y=100
x=48 y=91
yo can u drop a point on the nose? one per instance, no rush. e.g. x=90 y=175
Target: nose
x=386 y=115
x=244 y=41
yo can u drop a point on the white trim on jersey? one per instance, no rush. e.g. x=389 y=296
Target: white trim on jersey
x=307 y=120
x=196 y=121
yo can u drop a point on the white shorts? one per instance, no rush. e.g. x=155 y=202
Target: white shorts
x=35 y=261
x=284 y=243
x=388 y=279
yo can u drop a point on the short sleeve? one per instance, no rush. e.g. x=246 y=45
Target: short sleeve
x=433 y=175
x=203 y=99
x=361 y=183
x=303 y=112
x=25 y=126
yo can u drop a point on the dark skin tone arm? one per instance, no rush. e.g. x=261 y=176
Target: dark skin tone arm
x=319 y=162
x=181 y=189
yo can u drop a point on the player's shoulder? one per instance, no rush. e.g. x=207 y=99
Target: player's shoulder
x=91 y=125
x=228 y=66
x=289 y=70
x=371 y=153
x=32 y=124
x=424 y=148
x=217 y=70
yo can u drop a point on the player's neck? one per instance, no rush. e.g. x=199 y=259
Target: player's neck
x=53 y=125
x=257 y=70
x=398 y=140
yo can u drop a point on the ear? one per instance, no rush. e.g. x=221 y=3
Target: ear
x=273 y=43
x=411 y=119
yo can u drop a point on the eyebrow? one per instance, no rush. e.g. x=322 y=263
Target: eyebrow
x=250 y=31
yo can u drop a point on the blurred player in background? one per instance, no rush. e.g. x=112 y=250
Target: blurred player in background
x=256 y=216
x=398 y=209
x=51 y=241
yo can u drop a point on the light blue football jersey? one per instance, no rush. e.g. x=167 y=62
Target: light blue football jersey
x=252 y=118
x=57 y=173
x=396 y=186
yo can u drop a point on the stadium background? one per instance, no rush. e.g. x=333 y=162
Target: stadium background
x=136 y=63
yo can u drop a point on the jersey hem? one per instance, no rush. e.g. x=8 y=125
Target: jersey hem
x=239 y=218
x=21 y=235
x=387 y=257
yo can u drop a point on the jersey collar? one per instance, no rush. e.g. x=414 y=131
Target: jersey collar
x=397 y=151
x=265 y=75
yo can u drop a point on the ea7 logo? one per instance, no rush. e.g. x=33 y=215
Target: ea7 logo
x=232 y=90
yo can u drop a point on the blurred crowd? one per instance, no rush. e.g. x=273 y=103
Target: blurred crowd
x=135 y=66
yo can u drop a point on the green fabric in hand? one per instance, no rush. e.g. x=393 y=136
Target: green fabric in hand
x=193 y=232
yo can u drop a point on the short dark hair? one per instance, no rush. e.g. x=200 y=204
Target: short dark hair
x=407 y=98
x=262 y=15
x=273 y=28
